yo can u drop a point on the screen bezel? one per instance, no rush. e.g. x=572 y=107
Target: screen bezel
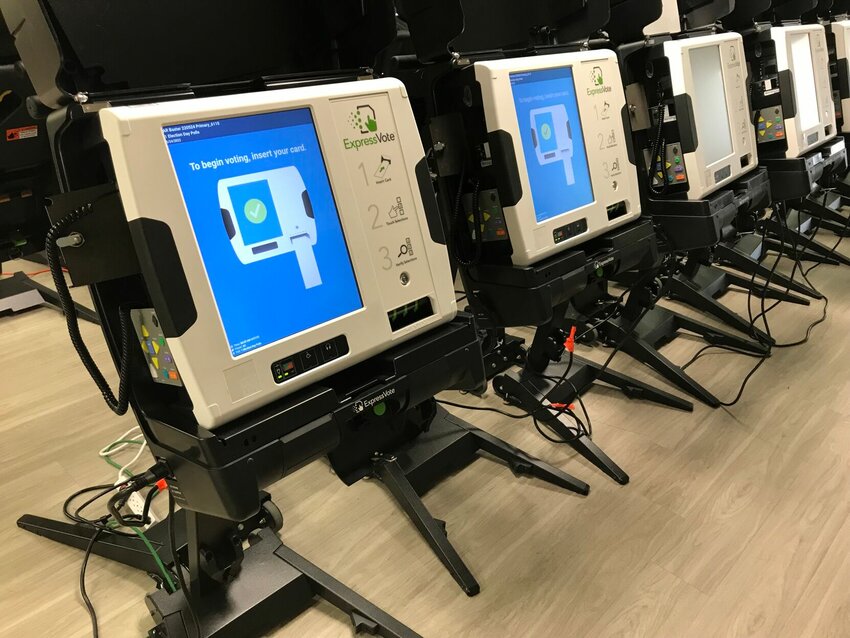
x=334 y=197
x=532 y=241
x=690 y=81
x=701 y=175
x=798 y=138
x=221 y=389
x=571 y=69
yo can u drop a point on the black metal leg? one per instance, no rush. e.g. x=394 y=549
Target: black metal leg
x=387 y=469
x=686 y=291
x=842 y=230
x=799 y=252
x=364 y=615
x=824 y=213
x=718 y=337
x=768 y=292
x=130 y=551
x=522 y=463
x=274 y=584
x=730 y=256
x=51 y=298
x=585 y=446
x=22 y=293
x=635 y=389
x=645 y=353
x=805 y=245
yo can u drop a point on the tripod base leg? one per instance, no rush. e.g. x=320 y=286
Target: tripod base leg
x=447 y=446
x=274 y=586
x=645 y=353
x=684 y=290
x=533 y=393
x=19 y=293
x=807 y=248
x=387 y=469
x=768 y=292
x=732 y=257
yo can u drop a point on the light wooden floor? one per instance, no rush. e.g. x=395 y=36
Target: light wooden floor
x=736 y=522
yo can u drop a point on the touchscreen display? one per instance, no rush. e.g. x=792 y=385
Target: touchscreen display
x=709 y=99
x=261 y=207
x=804 y=80
x=552 y=141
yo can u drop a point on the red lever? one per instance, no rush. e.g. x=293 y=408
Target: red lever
x=570 y=343
x=563 y=406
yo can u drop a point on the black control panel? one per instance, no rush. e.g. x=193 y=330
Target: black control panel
x=493 y=225
x=308 y=359
x=563 y=233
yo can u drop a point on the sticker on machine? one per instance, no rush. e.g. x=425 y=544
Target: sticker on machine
x=21 y=133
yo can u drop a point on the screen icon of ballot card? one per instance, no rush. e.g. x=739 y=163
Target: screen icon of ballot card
x=552 y=138
x=269 y=213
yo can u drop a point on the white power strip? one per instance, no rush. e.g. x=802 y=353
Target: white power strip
x=136 y=503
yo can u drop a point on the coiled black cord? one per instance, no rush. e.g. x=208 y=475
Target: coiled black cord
x=120 y=404
x=659 y=146
x=460 y=228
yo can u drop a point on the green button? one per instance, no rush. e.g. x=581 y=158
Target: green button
x=380 y=409
x=678 y=160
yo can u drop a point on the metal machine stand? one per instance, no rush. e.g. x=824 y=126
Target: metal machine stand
x=533 y=389
x=540 y=295
x=261 y=588
x=698 y=291
x=445 y=445
x=660 y=326
x=19 y=293
x=746 y=254
x=797 y=244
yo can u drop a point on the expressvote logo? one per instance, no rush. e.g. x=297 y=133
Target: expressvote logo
x=597 y=79
x=364 y=120
x=373 y=402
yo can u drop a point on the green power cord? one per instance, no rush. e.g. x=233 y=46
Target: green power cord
x=165 y=573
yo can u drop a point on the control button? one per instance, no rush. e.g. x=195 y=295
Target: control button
x=678 y=160
x=328 y=351
x=172 y=374
x=277 y=372
x=680 y=178
x=309 y=359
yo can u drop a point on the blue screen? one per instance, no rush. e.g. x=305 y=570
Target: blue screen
x=552 y=141
x=264 y=296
